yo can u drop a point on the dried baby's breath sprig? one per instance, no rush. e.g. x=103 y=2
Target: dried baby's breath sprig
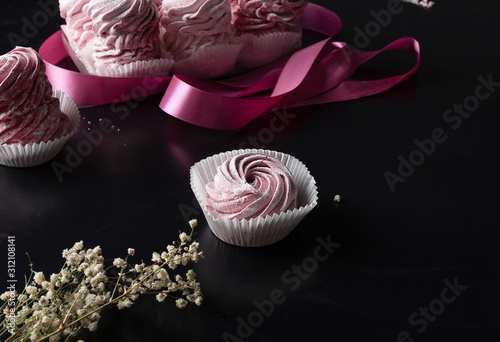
x=57 y=307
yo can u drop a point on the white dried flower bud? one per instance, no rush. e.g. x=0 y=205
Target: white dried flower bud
x=100 y=287
x=54 y=278
x=31 y=290
x=78 y=246
x=181 y=303
x=193 y=223
x=185 y=259
x=50 y=294
x=46 y=319
x=44 y=301
x=118 y=262
x=162 y=274
x=126 y=303
x=5 y=296
x=72 y=259
x=156 y=257
x=47 y=285
x=131 y=251
x=193 y=247
x=160 y=297
x=39 y=278
x=190 y=275
x=83 y=267
x=184 y=237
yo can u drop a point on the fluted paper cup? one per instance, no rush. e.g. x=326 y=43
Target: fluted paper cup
x=150 y=68
x=16 y=155
x=260 y=231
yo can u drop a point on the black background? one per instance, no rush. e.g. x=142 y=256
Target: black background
x=398 y=249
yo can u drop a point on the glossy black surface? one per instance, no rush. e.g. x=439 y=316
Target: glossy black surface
x=399 y=250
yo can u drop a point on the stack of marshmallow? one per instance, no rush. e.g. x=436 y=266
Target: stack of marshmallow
x=198 y=38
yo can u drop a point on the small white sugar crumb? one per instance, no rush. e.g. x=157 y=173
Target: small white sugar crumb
x=337 y=198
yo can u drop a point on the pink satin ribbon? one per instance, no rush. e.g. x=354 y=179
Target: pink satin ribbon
x=91 y=90
x=319 y=73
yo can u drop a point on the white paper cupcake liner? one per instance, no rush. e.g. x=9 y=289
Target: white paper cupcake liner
x=209 y=62
x=259 y=50
x=259 y=231
x=151 y=68
x=35 y=154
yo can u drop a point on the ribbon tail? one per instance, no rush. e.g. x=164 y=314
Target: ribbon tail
x=355 y=89
x=319 y=19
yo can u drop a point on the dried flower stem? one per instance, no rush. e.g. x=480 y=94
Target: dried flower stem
x=73 y=298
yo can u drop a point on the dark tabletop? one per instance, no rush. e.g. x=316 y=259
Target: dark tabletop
x=415 y=236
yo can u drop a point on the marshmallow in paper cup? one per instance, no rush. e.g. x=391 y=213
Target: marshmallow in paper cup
x=264 y=48
x=16 y=155
x=83 y=59
x=259 y=231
